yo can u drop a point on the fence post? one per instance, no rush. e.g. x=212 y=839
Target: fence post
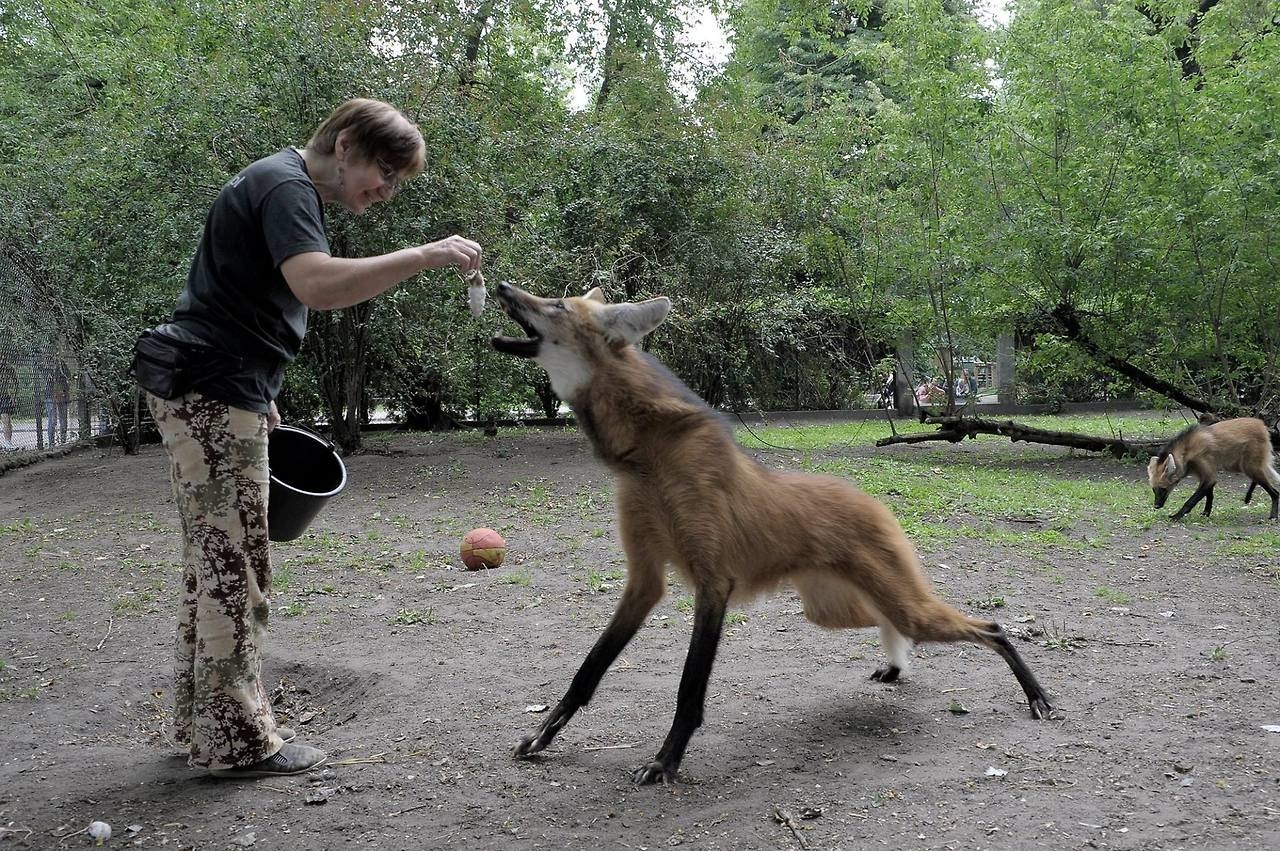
x=904 y=377
x=1006 y=360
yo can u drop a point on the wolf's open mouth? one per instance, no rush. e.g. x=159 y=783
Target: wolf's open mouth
x=523 y=347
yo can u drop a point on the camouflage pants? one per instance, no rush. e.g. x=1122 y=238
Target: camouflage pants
x=218 y=463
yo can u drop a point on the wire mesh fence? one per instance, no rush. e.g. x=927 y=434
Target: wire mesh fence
x=46 y=400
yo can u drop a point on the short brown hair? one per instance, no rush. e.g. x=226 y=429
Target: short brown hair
x=377 y=131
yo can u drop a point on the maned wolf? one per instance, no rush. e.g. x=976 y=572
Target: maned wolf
x=687 y=496
x=1242 y=444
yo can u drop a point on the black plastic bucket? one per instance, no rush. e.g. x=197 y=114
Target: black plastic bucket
x=306 y=472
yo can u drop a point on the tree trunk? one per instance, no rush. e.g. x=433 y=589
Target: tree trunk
x=471 y=47
x=609 y=63
x=341 y=342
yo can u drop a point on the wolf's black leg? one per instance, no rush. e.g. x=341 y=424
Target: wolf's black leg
x=708 y=619
x=886 y=674
x=1208 y=501
x=1191 y=503
x=634 y=607
x=1036 y=695
x=1248 y=494
x=1274 y=493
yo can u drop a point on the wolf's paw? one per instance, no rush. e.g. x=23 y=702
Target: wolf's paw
x=1040 y=708
x=887 y=674
x=654 y=772
x=530 y=745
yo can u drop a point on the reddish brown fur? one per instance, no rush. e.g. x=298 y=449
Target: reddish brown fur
x=689 y=497
x=1240 y=445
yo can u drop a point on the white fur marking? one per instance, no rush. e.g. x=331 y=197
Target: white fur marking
x=896 y=646
x=569 y=372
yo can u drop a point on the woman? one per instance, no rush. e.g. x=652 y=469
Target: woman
x=263 y=261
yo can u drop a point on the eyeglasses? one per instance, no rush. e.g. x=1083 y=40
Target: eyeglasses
x=390 y=176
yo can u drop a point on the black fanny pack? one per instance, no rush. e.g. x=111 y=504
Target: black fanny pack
x=169 y=367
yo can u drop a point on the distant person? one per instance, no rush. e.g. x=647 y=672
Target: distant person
x=886 y=392
x=212 y=375
x=932 y=392
x=962 y=385
x=57 y=397
x=973 y=385
x=9 y=390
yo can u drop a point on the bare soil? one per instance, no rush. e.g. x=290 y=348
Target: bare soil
x=419 y=677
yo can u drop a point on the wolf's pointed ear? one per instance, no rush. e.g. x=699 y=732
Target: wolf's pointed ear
x=627 y=323
x=596 y=294
x=1170 y=466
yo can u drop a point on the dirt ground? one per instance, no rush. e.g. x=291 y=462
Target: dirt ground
x=419 y=677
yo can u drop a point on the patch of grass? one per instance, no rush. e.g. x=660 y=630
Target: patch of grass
x=992 y=497
x=402 y=523
x=519 y=577
x=597 y=580
x=735 y=618
x=1219 y=654
x=328 y=543
x=67 y=616
x=1261 y=544
x=409 y=617
x=133 y=604
x=296 y=609
x=988 y=603
x=146 y=522
x=867 y=432
x=540 y=501
x=18 y=528
x=532 y=500
x=1146 y=427
x=684 y=604
x=999 y=505
x=1112 y=596
x=281 y=577
x=806 y=438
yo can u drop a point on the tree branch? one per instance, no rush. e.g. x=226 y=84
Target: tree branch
x=1069 y=320
x=957 y=428
x=1186 y=51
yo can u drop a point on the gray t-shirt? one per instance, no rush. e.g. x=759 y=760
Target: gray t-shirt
x=236 y=298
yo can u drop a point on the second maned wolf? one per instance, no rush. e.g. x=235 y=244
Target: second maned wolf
x=689 y=497
x=1242 y=445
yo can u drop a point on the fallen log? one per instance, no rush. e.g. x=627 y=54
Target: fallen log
x=955 y=429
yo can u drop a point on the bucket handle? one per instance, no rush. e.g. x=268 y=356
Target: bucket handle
x=333 y=447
